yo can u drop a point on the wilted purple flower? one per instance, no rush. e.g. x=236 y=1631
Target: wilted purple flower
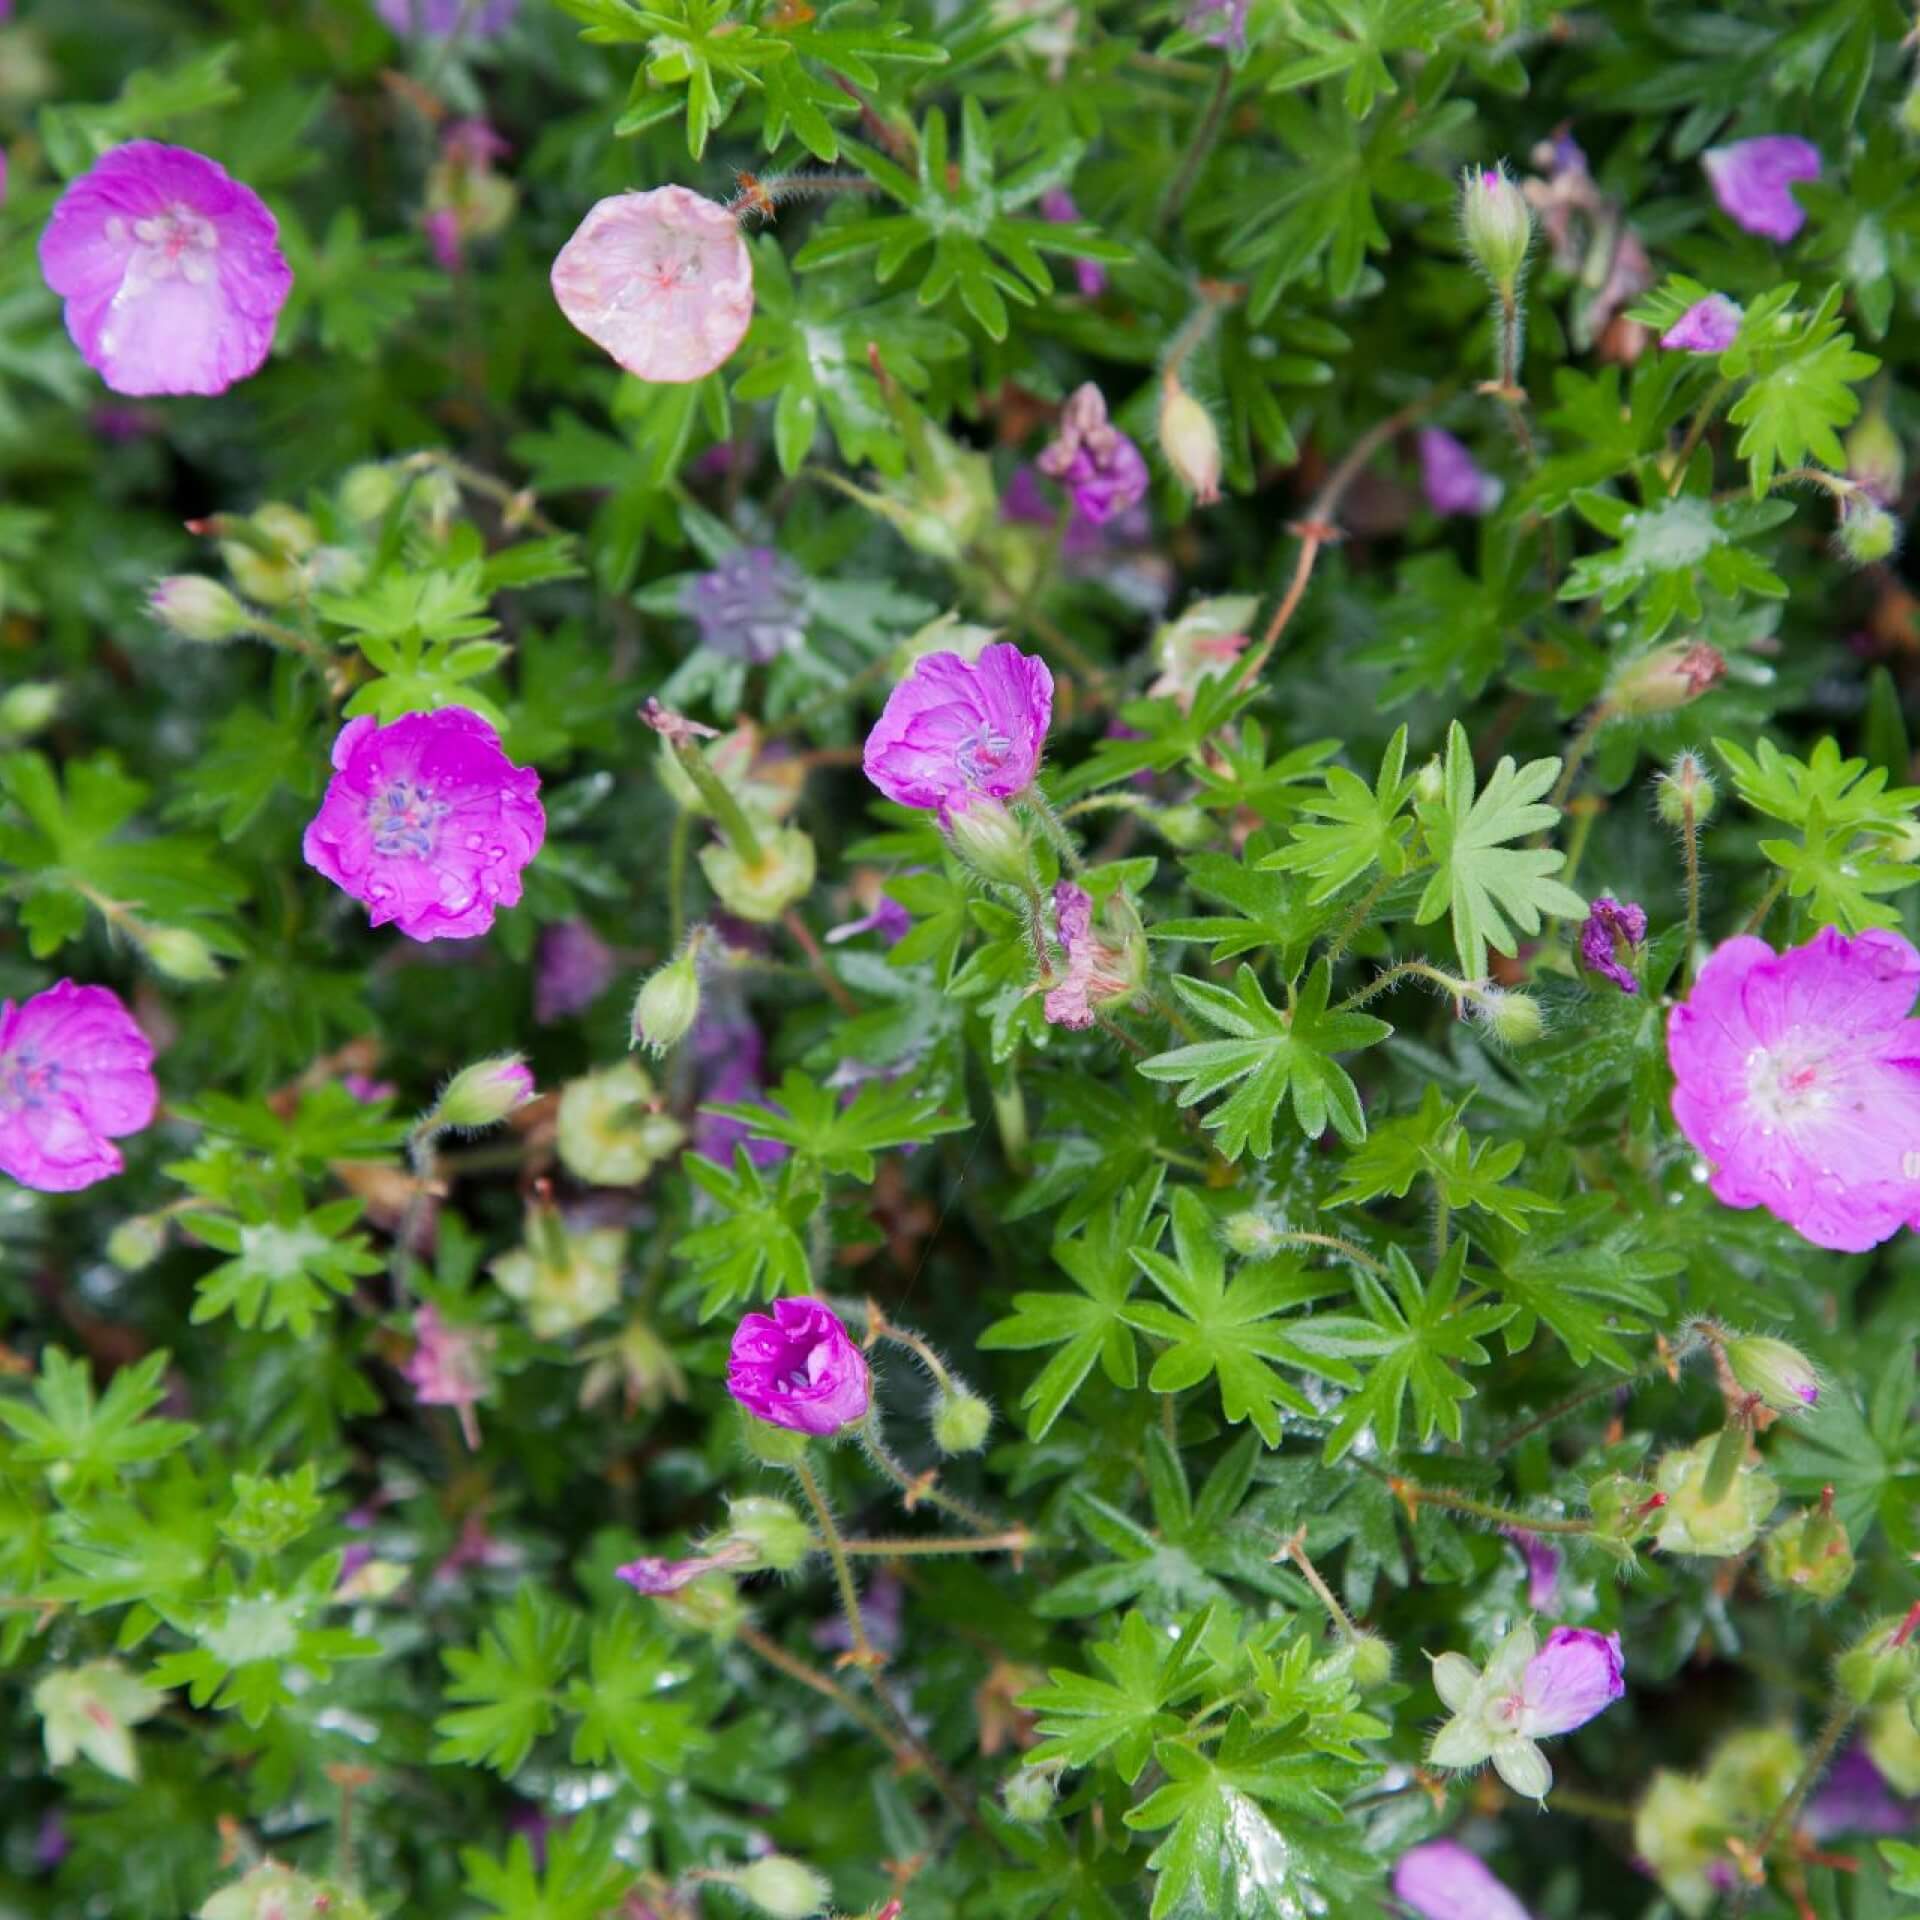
x=1097 y=971
x=1797 y=1075
x=889 y=919
x=1101 y=469
x=796 y=1368
x=1855 y=1798
x=1611 y=927
x=448 y=1367
x=1753 y=182
x=1443 y=1881
x=1221 y=23
x=1056 y=204
x=652 y=1576
x=170 y=268
x=1450 y=478
x=435 y=19
x=1027 y=503
x=76 y=1073
x=369 y=1092
x=956 y=731
x=572 y=967
x=428 y=822
x=1543 y=1560
x=1708 y=326
x=752 y=606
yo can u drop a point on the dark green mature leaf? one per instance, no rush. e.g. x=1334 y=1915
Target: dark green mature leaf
x=1431 y=1144
x=509 y=1683
x=1357 y=827
x=1081 y=1718
x=823 y=1133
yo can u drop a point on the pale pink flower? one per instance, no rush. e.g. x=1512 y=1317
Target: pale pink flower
x=449 y=1367
x=75 y=1074
x=1708 y=326
x=1441 y=1880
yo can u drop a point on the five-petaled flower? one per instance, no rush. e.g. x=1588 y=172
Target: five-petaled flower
x=1528 y=1693
x=75 y=1074
x=170 y=268
x=1798 y=1079
x=797 y=1368
x=428 y=822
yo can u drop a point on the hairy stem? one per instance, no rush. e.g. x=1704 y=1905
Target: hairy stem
x=1690 y=841
x=1199 y=150
x=863 y=1648
x=1415 y=1494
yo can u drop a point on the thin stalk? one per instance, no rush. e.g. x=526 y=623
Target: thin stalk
x=1690 y=841
x=922 y=1487
x=1055 y=830
x=679 y=843
x=1758 y=918
x=1415 y=1494
x=1702 y=418
x=1014 y=1540
x=1583 y=742
x=1402 y=970
x=516 y=504
x=1598 y=1390
x=817 y=962
x=1357 y=918
x=1838 y=1721
x=825 y=1685
x=728 y=813
x=863 y=1649
x=881 y=1328
x=1294 y=1548
x=420 y=1164
x=1723 y=1468
x=1299 y=1237
x=1199 y=150
x=1513 y=396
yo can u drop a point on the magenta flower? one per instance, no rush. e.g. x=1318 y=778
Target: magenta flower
x=661 y=280
x=1708 y=326
x=889 y=919
x=1102 y=470
x=572 y=968
x=428 y=822
x=1613 y=928
x=751 y=607
x=1221 y=23
x=1056 y=204
x=797 y=1368
x=368 y=1091
x=435 y=19
x=1443 y=1881
x=1450 y=477
x=956 y=731
x=76 y=1073
x=1798 y=1078
x=1543 y=1560
x=654 y=1576
x=1753 y=182
x=171 y=271
x=448 y=1367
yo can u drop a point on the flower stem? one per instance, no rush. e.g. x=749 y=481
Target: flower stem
x=795 y=1668
x=864 y=1653
x=1690 y=841
x=1758 y=917
x=1014 y=1540
x=1513 y=396
x=922 y=1487
x=1414 y=1494
x=1199 y=149
x=679 y=841
x=1055 y=830
x=726 y=810
x=1578 y=752
x=817 y=963
x=879 y=1327
x=1702 y=417
x=1361 y=913
x=1299 y=1237
x=420 y=1163
x=1838 y=1721
x=1294 y=1548
x=1405 y=969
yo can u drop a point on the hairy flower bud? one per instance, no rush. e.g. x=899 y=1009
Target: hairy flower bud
x=1781 y=1375
x=784 y=1887
x=368 y=492
x=1514 y=1019
x=1664 y=680
x=1622 y=1507
x=1028 y=1793
x=1867 y=534
x=1810 y=1554
x=1881 y=1665
x=960 y=1421
x=668 y=1003
x=1685 y=785
x=1496 y=224
x=1251 y=1234
x=27 y=708
x=1372 y=1661
x=197 y=608
x=780 y=1539
x=484 y=1093
x=761 y=890
x=179 y=953
x=1190 y=441
x=992 y=842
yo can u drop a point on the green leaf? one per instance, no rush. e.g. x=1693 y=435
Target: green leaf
x=579 y=1879
x=1489 y=887
x=286 y=1262
x=1082 y=1718
x=1269 y=1053
x=1355 y=38
x=1801 y=388
x=810 y=1119
x=1431 y=1144
x=624 y=1713
x=92 y=1441
x=1361 y=826
x=510 y=1679
x=758 y=1246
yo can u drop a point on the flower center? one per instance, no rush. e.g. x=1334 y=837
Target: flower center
x=178 y=244
x=26 y=1080
x=984 y=751
x=404 y=819
x=1785 y=1084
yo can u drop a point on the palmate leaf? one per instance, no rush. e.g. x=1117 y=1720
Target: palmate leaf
x=509 y=1682
x=285 y=1262
x=1087 y=1326
x=1270 y=1053
x=1267 y=911
x=758 y=1245
x=1357 y=827
x=1228 y=1331
x=1868 y=1452
x=92 y=1440
x=1431 y=1144
x=1801 y=388
x=577 y=1878
x=1355 y=38
x=625 y=1714
x=1844 y=792
x=1487 y=886
x=843 y=1139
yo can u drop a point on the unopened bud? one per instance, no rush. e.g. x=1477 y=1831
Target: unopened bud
x=1190 y=441
x=780 y=1539
x=668 y=1003
x=1810 y=1554
x=1496 y=224
x=1372 y=1661
x=265 y=560
x=960 y=1421
x=368 y=492
x=784 y=1887
x=1875 y=459
x=1251 y=1234
x=179 y=953
x=1430 y=783
x=1781 y=1375
x=764 y=889
x=1514 y=1019
x=137 y=1242
x=1028 y=1793
x=197 y=608
x=486 y=1092
x=1624 y=1508
x=1867 y=534
x=27 y=708
x=1665 y=679
x=1881 y=1665
x=1685 y=786
x=991 y=841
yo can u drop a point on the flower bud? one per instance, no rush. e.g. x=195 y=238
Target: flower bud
x=1190 y=441
x=1372 y=1661
x=1694 y=1520
x=1430 y=783
x=137 y=1242
x=1781 y=1375
x=271 y=1891
x=1881 y=1665
x=1496 y=224
x=1664 y=680
x=1685 y=781
x=991 y=841
x=197 y=608
x=179 y=953
x=780 y=1539
x=1514 y=1019
x=368 y=493
x=1622 y=1507
x=1875 y=459
x=484 y=1093
x=27 y=708
x=1867 y=534
x=668 y=1003
x=763 y=890
x=960 y=1421
x=1251 y=1234
x=1810 y=1554
x=607 y=1130
x=784 y=1887
x=1893 y=1744
x=265 y=560
x=1028 y=1793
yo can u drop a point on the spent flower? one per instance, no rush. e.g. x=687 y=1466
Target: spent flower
x=1708 y=326
x=450 y=1367
x=752 y=606
x=1451 y=479
x=1102 y=470
x=1441 y=1880
x=1609 y=937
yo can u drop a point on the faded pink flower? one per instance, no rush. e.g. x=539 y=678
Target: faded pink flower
x=368 y=1091
x=170 y=268
x=1577 y=1675
x=889 y=919
x=662 y=280
x=1612 y=928
x=669 y=1576
x=1753 y=182
x=1103 y=472
x=1798 y=1077
x=448 y=1367
x=76 y=1073
x=572 y=968
x=1708 y=326
x=1443 y=1881
x=1451 y=479
x=1097 y=972
x=796 y=1368
x=956 y=731
x=428 y=822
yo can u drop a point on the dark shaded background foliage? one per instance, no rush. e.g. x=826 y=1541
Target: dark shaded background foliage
x=1329 y=201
